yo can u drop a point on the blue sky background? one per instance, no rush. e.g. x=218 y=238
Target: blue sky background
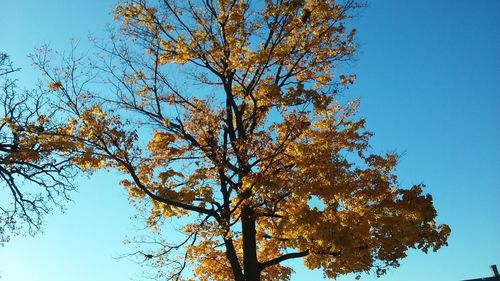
x=428 y=78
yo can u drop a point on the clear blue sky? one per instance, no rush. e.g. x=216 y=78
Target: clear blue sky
x=428 y=78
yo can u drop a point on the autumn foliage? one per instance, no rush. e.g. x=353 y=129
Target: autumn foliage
x=227 y=113
x=34 y=177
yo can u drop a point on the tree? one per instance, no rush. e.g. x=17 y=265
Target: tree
x=33 y=178
x=227 y=114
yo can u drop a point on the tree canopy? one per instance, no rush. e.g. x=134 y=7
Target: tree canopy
x=228 y=114
x=33 y=176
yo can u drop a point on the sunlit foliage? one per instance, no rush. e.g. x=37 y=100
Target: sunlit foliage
x=227 y=113
x=34 y=177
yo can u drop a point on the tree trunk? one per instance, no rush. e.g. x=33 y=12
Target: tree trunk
x=250 y=263
x=233 y=260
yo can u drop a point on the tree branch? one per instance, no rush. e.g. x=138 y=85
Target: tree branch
x=283 y=258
